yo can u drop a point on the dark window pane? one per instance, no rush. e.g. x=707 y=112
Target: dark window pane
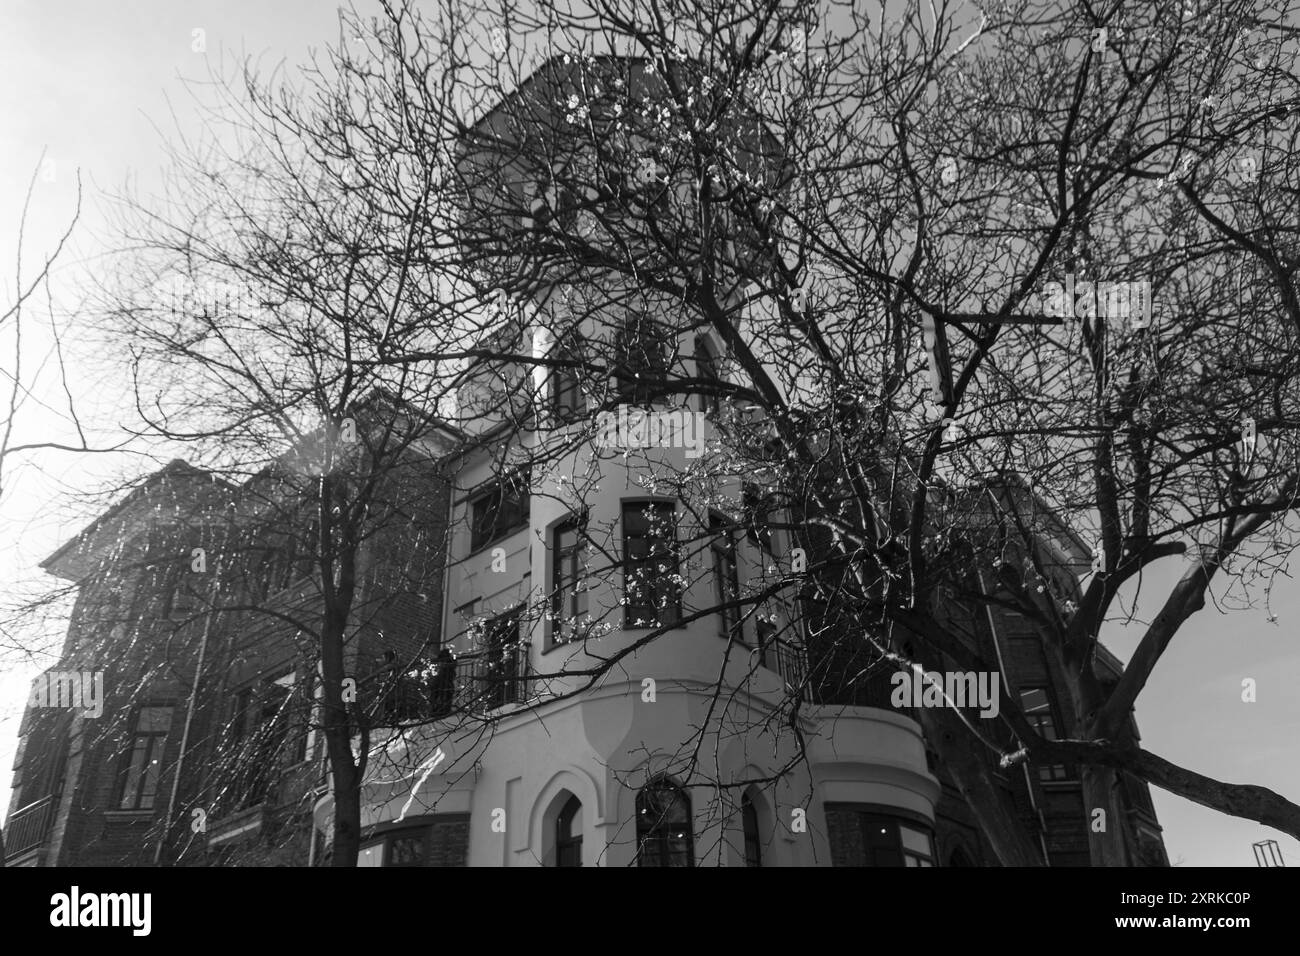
x=749 y=820
x=707 y=366
x=756 y=508
x=641 y=359
x=502 y=651
x=568 y=599
x=449 y=843
x=568 y=835
x=407 y=850
x=499 y=512
x=142 y=763
x=1037 y=705
x=650 y=568
x=726 y=577
x=567 y=399
x=864 y=838
x=663 y=826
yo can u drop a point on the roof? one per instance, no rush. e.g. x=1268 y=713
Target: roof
x=176 y=468
x=555 y=67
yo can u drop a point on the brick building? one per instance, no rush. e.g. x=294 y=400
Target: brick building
x=515 y=713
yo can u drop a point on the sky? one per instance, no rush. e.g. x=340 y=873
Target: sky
x=96 y=85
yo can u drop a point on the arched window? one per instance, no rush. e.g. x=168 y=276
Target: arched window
x=568 y=834
x=663 y=826
x=749 y=821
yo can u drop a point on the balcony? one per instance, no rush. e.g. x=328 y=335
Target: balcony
x=789 y=661
x=469 y=684
x=839 y=684
x=27 y=828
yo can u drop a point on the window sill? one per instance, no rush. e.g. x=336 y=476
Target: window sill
x=128 y=816
x=654 y=627
x=522 y=526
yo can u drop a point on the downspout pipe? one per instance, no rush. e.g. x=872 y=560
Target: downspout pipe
x=189 y=720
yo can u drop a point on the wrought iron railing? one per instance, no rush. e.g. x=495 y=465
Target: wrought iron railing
x=468 y=684
x=790 y=663
x=27 y=828
x=841 y=679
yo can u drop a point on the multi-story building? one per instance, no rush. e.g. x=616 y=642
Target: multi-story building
x=583 y=669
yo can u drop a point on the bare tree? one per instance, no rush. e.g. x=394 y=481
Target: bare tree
x=929 y=179
x=773 y=214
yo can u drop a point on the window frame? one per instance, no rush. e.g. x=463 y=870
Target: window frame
x=671 y=614
x=870 y=816
x=178 y=599
x=568 y=845
x=766 y=633
x=155 y=750
x=643 y=359
x=706 y=366
x=385 y=835
x=267 y=742
x=565 y=562
x=726 y=575
x=658 y=830
x=510 y=688
x=1045 y=721
x=567 y=383
x=751 y=831
x=757 y=517
x=497 y=490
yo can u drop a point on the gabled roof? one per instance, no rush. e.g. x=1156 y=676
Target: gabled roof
x=177 y=469
x=557 y=71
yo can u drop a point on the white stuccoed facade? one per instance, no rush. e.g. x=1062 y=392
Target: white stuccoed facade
x=605 y=741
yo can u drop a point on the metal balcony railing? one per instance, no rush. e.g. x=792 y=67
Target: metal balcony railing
x=471 y=683
x=28 y=827
x=843 y=680
x=790 y=662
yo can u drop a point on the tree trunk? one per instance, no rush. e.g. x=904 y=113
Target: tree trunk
x=1105 y=833
x=344 y=775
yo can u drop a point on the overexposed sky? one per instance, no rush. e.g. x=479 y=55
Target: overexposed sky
x=95 y=84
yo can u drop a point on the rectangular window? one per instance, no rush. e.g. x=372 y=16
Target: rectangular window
x=765 y=636
x=860 y=836
x=268 y=731
x=183 y=596
x=650 y=572
x=292 y=558
x=292 y=713
x=500 y=511
x=568 y=599
x=142 y=764
x=755 y=504
x=1037 y=707
x=726 y=577
x=707 y=365
x=503 y=660
x=442 y=843
x=567 y=400
x=641 y=360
